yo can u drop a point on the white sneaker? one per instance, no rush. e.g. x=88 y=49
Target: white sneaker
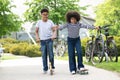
x=82 y=69
x=73 y=72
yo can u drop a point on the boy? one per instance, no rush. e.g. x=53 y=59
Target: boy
x=44 y=34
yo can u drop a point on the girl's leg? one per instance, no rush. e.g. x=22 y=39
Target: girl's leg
x=71 y=54
x=79 y=53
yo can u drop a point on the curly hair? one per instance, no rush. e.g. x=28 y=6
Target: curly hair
x=71 y=14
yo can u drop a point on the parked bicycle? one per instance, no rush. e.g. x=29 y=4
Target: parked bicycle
x=110 y=45
x=60 y=47
x=94 y=50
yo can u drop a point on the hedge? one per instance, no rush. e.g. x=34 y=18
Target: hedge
x=20 y=47
x=24 y=48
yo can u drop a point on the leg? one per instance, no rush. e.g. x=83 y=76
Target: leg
x=50 y=51
x=71 y=54
x=44 y=55
x=79 y=53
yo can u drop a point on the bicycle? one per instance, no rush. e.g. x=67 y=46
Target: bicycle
x=60 y=47
x=94 y=50
x=110 y=45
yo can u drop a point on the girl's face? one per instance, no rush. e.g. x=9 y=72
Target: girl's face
x=73 y=20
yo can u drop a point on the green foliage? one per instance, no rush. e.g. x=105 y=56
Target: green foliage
x=20 y=47
x=83 y=44
x=112 y=66
x=8 y=20
x=57 y=8
x=109 y=13
x=8 y=40
x=25 y=49
x=33 y=51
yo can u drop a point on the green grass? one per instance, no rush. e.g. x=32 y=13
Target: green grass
x=62 y=58
x=111 y=66
x=8 y=57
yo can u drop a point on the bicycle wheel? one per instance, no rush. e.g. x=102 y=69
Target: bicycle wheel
x=88 y=51
x=112 y=51
x=60 y=49
x=98 y=52
x=106 y=51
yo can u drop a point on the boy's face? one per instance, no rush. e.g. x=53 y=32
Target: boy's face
x=44 y=16
x=73 y=20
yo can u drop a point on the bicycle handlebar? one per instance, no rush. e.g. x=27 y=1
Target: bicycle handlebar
x=106 y=27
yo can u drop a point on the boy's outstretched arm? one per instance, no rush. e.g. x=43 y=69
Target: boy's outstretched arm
x=54 y=34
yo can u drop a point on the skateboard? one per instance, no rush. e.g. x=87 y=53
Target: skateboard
x=83 y=72
x=50 y=67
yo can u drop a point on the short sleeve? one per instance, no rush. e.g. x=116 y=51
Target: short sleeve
x=52 y=23
x=37 y=24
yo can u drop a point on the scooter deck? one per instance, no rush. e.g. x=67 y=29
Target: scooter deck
x=83 y=72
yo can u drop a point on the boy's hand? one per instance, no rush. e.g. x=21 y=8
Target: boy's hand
x=38 y=40
x=55 y=27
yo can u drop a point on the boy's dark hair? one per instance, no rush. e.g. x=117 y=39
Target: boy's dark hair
x=44 y=10
x=71 y=14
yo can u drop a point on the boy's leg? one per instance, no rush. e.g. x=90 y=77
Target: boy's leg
x=71 y=54
x=79 y=53
x=44 y=55
x=51 y=54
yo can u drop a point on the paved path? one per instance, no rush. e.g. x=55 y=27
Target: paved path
x=31 y=69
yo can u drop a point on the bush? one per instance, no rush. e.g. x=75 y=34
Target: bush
x=26 y=49
x=8 y=40
x=117 y=40
x=15 y=49
x=20 y=47
x=83 y=44
x=33 y=51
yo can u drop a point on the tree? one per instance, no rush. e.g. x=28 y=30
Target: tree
x=8 y=20
x=57 y=9
x=109 y=13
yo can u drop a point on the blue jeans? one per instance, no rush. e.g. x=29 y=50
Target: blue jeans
x=47 y=49
x=74 y=43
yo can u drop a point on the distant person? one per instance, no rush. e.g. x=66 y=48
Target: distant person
x=45 y=33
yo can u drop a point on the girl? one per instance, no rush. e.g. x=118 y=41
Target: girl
x=73 y=25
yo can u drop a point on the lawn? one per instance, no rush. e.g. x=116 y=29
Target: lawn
x=8 y=56
x=112 y=66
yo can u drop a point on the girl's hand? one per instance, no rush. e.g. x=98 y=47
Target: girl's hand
x=97 y=28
